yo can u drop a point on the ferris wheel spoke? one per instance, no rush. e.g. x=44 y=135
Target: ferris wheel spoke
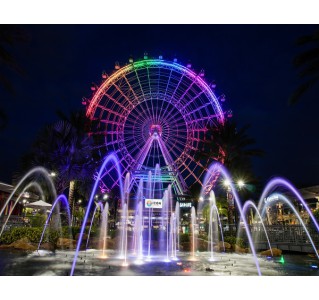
x=166 y=89
x=111 y=122
x=198 y=109
x=148 y=97
x=135 y=98
x=116 y=102
x=186 y=91
x=173 y=144
x=208 y=118
x=150 y=92
x=190 y=101
x=110 y=111
x=113 y=167
x=190 y=172
x=123 y=95
x=117 y=181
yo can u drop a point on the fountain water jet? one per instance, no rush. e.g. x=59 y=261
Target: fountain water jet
x=213 y=208
x=248 y=204
x=193 y=231
x=150 y=195
x=110 y=158
x=61 y=198
x=100 y=206
x=285 y=183
x=33 y=171
x=32 y=184
x=103 y=231
x=217 y=167
x=177 y=223
x=286 y=200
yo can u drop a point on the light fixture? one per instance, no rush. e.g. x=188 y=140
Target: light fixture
x=241 y=183
x=227 y=182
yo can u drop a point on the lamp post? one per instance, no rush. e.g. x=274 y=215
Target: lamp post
x=24 y=202
x=232 y=216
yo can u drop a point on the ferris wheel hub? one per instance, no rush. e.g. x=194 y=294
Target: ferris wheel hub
x=155 y=130
x=154 y=112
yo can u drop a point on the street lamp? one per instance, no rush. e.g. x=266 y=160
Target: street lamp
x=240 y=183
x=24 y=202
x=227 y=182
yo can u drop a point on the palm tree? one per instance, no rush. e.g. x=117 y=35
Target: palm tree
x=233 y=148
x=308 y=64
x=230 y=146
x=66 y=150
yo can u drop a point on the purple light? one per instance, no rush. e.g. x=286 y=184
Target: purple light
x=215 y=168
x=61 y=198
x=111 y=157
x=284 y=182
x=252 y=204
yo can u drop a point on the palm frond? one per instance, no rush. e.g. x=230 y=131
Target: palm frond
x=302 y=89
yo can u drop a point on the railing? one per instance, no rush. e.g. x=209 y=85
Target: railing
x=285 y=237
x=14 y=221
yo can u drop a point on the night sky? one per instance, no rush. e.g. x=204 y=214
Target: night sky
x=252 y=66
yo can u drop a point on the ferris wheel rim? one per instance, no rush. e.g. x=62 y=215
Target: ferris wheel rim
x=154 y=63
x=190 y=122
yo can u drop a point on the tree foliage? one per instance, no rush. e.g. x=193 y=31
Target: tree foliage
x=307 y=64
x=231 y=146
x=65 y=149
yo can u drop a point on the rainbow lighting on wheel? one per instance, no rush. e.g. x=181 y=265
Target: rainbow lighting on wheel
x=154 y=111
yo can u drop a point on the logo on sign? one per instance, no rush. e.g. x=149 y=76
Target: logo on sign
x=185 y=204
x=153 y=203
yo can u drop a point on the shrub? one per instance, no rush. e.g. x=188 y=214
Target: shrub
x=38 y=220
x=184 y=238
x=234 y=241
x=33 y=234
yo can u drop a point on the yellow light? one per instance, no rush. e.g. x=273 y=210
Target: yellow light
x=226 y=182
x=241 y=183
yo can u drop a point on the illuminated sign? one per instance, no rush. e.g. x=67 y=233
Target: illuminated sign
x=271 y=198
x=153 y=203
x=185 y=204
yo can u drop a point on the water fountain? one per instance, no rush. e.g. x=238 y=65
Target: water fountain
x=103 y=230
x=64 y=200
x=98 y=205
x=131 y=252
x=248 y=204
x=38 y=171
x=193 y=233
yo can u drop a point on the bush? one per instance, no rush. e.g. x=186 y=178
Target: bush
x=33 y=234
x=184 y=238
x=235 y=241
x=38 y=220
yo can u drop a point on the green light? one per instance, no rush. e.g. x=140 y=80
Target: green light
x=282 y=259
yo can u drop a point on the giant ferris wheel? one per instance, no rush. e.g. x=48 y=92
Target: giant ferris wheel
x=154 y=111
